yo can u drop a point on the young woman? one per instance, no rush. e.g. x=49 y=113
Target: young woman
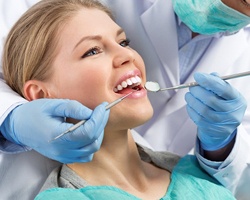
x=73 y=49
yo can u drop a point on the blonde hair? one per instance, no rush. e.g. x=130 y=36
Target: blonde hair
x=31 y=44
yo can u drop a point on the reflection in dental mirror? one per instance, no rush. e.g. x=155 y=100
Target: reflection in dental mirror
x=152 y=86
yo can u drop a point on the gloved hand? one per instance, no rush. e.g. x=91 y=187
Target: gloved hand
x=216 y=108
x=35 y=123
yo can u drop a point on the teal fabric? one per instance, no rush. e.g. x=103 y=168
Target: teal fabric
x=188 y=181
x=211 y=16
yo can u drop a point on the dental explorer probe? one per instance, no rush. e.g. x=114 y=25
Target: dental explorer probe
x=155 y=87
x=83 y=121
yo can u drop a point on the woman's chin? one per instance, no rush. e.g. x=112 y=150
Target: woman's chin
x=129 y=122
x=142 y=117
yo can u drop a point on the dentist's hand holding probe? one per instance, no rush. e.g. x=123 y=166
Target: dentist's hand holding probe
x=216 y=108
x=46 y=119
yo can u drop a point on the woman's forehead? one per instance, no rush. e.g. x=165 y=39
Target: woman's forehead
x=88 y=22
x=91 y=19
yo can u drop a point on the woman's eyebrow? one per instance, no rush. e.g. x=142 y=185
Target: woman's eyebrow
x=120 y=31
x=95 y=37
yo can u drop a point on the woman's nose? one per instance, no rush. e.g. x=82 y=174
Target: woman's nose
x=123 y=56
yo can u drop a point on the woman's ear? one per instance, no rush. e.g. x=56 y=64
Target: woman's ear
x=34 y=89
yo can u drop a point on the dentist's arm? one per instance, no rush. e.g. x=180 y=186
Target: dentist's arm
x=217 y=109
x=35 y=123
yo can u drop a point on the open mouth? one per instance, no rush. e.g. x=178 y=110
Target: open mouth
x=132 y=83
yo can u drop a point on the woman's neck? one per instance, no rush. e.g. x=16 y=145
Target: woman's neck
x=117 y=157
x=118 y=163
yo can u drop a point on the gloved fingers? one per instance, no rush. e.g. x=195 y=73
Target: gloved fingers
x=67 y=108
x=200 y=112
x=82 y=154
x=92 y=129
x=214 y=101
x=220 y=130
x=49 y=123
x=98 y=119
x=83 y=150
x=78 y=137
x=215 y=84
x=198 y=95
x=103 y=120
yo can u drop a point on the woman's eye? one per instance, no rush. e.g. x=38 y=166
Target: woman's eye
x=125 y=43
x=92 y=51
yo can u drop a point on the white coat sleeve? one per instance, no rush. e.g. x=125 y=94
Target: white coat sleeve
x=10 y=11
x=234 y=172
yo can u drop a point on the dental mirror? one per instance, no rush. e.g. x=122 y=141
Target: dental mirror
x=152 y=86
x=155 y=87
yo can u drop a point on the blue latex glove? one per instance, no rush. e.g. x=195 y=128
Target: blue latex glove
x=216 y=108
x=35 y=123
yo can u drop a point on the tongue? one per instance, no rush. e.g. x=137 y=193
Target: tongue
x=125 y=91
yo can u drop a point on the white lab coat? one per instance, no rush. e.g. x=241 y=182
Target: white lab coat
x=151 y=26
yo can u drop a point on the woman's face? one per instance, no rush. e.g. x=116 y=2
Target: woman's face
x=93 y=62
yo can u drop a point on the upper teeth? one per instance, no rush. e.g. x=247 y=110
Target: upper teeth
x=136 y=80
